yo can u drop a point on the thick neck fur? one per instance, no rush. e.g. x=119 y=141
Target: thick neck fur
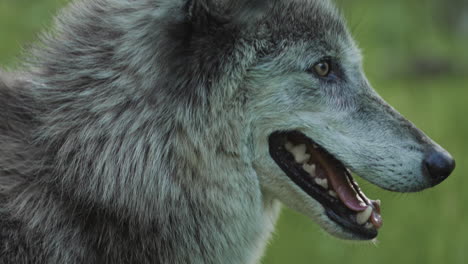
x=134 y=167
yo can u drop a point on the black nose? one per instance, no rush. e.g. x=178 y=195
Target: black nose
x=439 y=165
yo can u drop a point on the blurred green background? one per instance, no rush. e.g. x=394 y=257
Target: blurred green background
x=416 y=57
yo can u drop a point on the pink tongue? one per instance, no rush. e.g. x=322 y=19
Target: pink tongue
x=352 y=199
x=338 y=179
x=346 y=193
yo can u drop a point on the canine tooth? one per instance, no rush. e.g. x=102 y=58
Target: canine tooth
x=289 y=146
x=322 y=182
x=362 y=217
x=369 y=226
x=299 y=153
x=333 y=193
x=309 y=168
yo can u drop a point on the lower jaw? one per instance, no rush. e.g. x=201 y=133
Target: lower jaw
x=351 y=232
x=340 y=220
x=335 y=211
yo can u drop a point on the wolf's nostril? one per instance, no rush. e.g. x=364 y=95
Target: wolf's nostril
x=439 y=165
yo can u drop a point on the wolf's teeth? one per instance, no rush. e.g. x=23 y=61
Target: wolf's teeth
x=332 y=193
x=309 y=168
x=289 y=146
x=299 y=149
x=303 y=159
x=369 y=226
x=362 y=217
x=299 y=153
x=322 y=182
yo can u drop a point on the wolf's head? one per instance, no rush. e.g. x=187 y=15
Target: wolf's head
x=310 y=115
x=279 y=83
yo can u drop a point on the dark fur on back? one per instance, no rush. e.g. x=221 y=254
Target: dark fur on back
x=18 y=119
x=102 y=148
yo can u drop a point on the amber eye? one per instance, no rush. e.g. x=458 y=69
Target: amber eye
x=322 y=68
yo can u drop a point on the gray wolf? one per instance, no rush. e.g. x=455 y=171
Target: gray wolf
x=170 y=131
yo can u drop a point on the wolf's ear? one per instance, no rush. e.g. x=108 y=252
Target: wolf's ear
x=228 y=11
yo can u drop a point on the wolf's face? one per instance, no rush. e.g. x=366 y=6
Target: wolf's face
x=315 y=118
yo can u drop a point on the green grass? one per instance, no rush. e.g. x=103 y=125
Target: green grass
x=429 y=227
x=20 y=21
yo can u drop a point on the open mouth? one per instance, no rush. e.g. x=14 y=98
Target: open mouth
x=328 y=181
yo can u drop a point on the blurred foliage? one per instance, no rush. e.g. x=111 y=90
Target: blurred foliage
x=416 y=58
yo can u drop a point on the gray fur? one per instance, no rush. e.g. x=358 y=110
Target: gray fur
x=138 y=132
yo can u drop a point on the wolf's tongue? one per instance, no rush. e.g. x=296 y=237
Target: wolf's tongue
x=345 y=191
x=350 y=194
x=340 y=183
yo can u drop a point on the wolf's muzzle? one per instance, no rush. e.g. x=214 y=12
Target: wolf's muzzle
x=439 y=165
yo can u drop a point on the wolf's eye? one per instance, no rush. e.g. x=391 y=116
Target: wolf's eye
x=322 y=68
